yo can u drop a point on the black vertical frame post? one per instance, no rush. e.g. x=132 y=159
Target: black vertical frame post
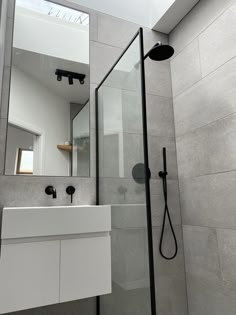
x=146 y=164
x=147 y=176
x=97 y=172
x=97 y=145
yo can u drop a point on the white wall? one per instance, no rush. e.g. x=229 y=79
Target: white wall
x=159 y=8
x=167 y=14
x=34 y=107
x=51 y=36
x=81 y=129
x=135 y=11
x=160 y=15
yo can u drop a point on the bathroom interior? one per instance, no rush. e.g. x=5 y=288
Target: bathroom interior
x=118 y=157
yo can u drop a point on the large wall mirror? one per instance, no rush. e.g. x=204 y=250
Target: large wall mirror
x=48 y=120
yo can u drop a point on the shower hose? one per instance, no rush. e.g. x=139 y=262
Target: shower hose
x=163 y=175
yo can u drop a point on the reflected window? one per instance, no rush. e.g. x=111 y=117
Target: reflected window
x=25 y=159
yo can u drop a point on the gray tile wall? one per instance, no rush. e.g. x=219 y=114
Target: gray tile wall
x=204 y=87
x=169 y=276
x=108 y=37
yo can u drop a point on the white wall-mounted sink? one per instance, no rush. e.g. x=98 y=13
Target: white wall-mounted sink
x=53 y=254
x=21 y=222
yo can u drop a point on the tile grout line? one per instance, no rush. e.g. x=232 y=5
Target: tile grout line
x=209 y=227
x=207 y=174
x=213 y=21
x=203 y=78
x=205 y=126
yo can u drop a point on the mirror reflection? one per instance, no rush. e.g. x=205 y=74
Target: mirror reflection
x=48 y=121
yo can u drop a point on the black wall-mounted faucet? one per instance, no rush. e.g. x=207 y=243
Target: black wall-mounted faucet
x=70 y=190
x=50 y=190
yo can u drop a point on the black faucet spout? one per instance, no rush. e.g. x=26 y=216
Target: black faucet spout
x=50 y=190
x=54 y=193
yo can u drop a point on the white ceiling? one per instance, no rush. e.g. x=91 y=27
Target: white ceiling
x=161 y=15
x=42 y=68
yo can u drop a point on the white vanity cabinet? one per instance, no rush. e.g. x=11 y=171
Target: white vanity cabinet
x=54 y=254
x=85 y=268
x=29 y=275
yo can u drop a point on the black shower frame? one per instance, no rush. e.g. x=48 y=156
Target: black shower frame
x=146 y=162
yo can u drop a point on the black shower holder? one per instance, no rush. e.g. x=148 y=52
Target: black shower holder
x=162 y=174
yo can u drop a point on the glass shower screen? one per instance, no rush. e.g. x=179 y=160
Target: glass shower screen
x=123 y=183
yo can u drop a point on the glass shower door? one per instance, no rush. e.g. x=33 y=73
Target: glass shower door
x=123 y=182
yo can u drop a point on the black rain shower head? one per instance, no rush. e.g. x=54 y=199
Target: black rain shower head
x=160 y=52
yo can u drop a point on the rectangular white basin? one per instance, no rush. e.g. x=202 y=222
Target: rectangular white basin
x=21 y=222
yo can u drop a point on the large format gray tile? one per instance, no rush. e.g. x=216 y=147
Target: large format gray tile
x=202 y=15
x=160 y=120
x=114 y=31
x=168 y=267
x=11 y=9
x=222 y=144
x=171 y=295
x=207 y=150
x=8 y=42
x=227 y=252
x=210 y=274
x=201 y=253
x=210 y=99
x=117 y=32
x=185 y=68
x=3 y=133
x=93 y=25
x=207 y=298
x=155 y=145
x=92 y=152
x=209 y=200
x=192 y=153
x=158 y=78
x=170 y=283
x=132 y=152
x=92 y=105
x=126 y=302
x=110 y=109
x=102 y=58
x=131 y=112
x=112 y=155
x=157 y=202
x=217 y=43
x=121 y=191
x=29 y=191
x=5 y=92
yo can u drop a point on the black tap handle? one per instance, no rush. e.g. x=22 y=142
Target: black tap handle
x=70 y=190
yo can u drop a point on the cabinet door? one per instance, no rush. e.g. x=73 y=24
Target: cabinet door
x=29 y=275
x=85 y=268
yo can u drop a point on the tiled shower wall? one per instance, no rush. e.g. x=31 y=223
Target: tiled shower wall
x=169 y=275
x=108 y=37
x=204 y=80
